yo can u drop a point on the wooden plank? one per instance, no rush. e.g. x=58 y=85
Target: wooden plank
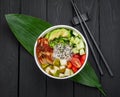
x=92 y=8
x=109 y=37
x=59 y=12
x=8 y=52
x=32 y=80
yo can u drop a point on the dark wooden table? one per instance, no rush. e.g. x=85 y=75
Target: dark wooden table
x=19 y=75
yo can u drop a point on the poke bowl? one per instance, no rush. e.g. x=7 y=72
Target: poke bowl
x=61 y=52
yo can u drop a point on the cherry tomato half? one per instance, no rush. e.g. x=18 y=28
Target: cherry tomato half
x=69 y=65
x=76 y=62
x=74 y=69
x=82 y=58
x=76 y=56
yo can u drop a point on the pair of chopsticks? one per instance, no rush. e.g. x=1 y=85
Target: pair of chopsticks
x=84 y=28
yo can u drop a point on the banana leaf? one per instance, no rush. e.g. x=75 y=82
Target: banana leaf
x=27 y=28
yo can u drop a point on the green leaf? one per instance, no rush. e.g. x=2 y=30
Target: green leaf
x=88 y=77
x=28 y=28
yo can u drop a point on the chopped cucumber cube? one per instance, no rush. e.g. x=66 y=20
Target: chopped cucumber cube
x=76 y=40
x=72 y=39
x=75 y=50
x=79 y=36
x=82 y=51
x=75 y=33
x=80 y=45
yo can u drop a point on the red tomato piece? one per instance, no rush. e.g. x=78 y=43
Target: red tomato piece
x=76 y=62
x=82 y=58
x=69 y=65
x=76 y=56
x=74 y=69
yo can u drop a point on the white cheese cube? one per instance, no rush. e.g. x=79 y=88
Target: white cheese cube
x=48 y=70
x=56 y=68
x=62 y=67
x=61 y=75
x=71 y=72
x=63 y=62
x=52 y=71
x=67 y=72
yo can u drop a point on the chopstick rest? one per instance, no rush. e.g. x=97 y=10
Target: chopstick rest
x=75 y=19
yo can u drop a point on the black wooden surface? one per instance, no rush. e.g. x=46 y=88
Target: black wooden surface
x=19 y=75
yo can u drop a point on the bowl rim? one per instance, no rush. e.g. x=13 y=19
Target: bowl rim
x=53 y=28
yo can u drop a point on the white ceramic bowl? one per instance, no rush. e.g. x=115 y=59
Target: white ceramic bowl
x=50 y=29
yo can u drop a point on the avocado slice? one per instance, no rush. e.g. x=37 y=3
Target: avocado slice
x=47 y=35
x=59 y=32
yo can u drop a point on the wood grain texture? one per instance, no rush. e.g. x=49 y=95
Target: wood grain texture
x=109 y=37
x=32 y=80
x=59 y=12
x=19 y=74
x=91 y=7
x=8 y=52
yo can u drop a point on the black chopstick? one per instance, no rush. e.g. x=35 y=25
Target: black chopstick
x=93 y=40
x=92 y=50
x=95 y=43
